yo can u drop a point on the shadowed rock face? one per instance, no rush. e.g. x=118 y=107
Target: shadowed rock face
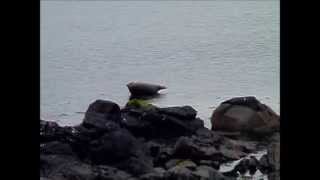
x=144 y=89
x=245 y=114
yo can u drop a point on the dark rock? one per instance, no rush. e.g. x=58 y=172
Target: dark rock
x=274 y=175
x=43 y=178
x=264 y=165
x=253 y=164
x=62 y=167
x=181 y=163
x=159 y=170
x=113 y=147
x=136 y=166
x=179 y=173
x=206 y=134
x=208 y=173
x=184 y=112
x=51 y=131
x=66 y=168
x=102 y=115
x=189 y=148
x=232 y=173
x=213 y=164
x=176 y=127
x=171 y=163
x=241 y=145
x=156 y=123
x=164 y=156
x=141 y=123
x=56 y=147
x=231 y=154
x=154 y=148
x=152 y=176
x=144 y=89
x=245 y=114
x=242 y=166
x=273 y=156
x=110 y=173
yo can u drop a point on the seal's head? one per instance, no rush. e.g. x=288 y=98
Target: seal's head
x=130 y=84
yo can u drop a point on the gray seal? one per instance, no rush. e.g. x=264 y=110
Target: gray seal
x=144 y=89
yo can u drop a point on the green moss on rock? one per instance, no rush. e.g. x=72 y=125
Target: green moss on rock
x=139 y=103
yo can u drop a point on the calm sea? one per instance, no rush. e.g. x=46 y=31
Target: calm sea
x=204 y=52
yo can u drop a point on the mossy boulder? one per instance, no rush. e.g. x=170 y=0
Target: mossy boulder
x=245 y=114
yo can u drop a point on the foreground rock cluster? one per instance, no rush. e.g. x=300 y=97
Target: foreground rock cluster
x=139 y=142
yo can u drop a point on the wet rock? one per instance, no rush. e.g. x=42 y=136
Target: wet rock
x=253 y=165
x=245 y=114
x=274 y=175
x=171 y=163
x=248 y=164
x=181 y=163
x=110 y=173
x=208 y=173
x=207 y=135
x=159 y=170
x=113 y=147
x=56 y=147
x=101 y=114
x=232 y=173
x=152 y=176
x=179 y=173
x=243 y=166
x=273 y=156
x=264 y=165
x=166 y=123
x=43 y=178
x=231 y=154
x=213 y=164
x=188 y=148
x=154 y=148
x=164 y=156
x=51 y=131
x=199 y=148
x=241 y=145
x=136 y=166
x=62 y=167
x=142 y=123
x=184 y=112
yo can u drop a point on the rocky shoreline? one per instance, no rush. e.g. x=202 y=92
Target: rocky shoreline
x=145 y=142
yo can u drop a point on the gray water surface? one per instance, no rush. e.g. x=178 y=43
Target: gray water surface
x=204 y=52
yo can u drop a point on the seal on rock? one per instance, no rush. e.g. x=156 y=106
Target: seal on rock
x=144 y=89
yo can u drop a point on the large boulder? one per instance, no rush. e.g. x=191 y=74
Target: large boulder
x=245 y=114
x=102 y=114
